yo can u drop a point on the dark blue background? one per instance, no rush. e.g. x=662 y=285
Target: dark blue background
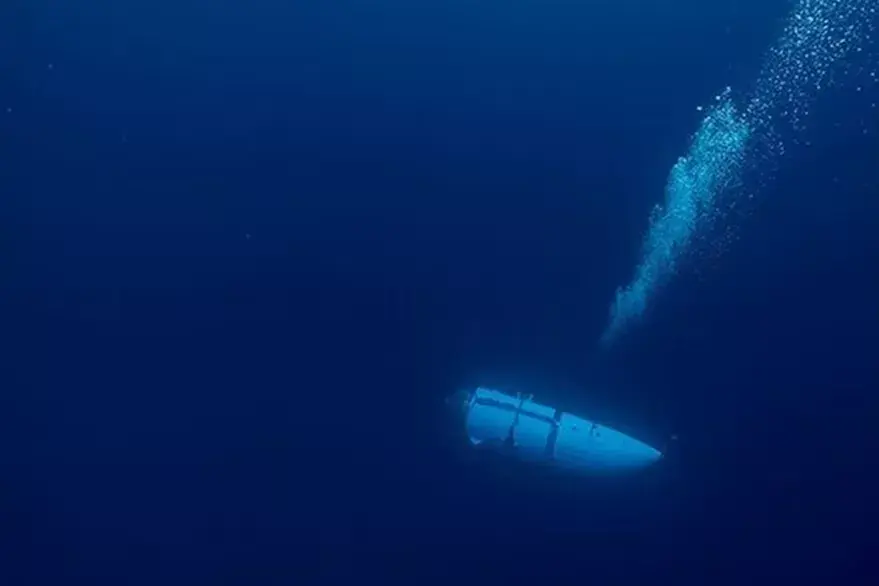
x=249 y=247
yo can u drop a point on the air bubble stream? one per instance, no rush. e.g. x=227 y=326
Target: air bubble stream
x=812 y=49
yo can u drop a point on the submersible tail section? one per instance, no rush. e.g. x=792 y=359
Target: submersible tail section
x=530 y=431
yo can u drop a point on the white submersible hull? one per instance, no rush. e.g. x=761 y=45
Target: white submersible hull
x=535 y=432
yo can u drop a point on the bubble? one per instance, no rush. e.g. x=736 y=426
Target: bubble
x=714 y=159
x=705 y=185
x=808 y=58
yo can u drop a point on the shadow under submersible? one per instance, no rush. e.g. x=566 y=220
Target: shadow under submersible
x=523 y=429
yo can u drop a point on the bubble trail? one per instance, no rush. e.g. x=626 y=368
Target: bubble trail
x=715 y=156
x=818 y=36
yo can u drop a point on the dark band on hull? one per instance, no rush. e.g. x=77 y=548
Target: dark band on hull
x=518 y=411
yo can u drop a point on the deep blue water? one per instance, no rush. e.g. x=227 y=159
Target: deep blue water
x=247 y=249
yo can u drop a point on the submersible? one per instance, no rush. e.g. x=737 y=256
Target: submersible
x=518 y=426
